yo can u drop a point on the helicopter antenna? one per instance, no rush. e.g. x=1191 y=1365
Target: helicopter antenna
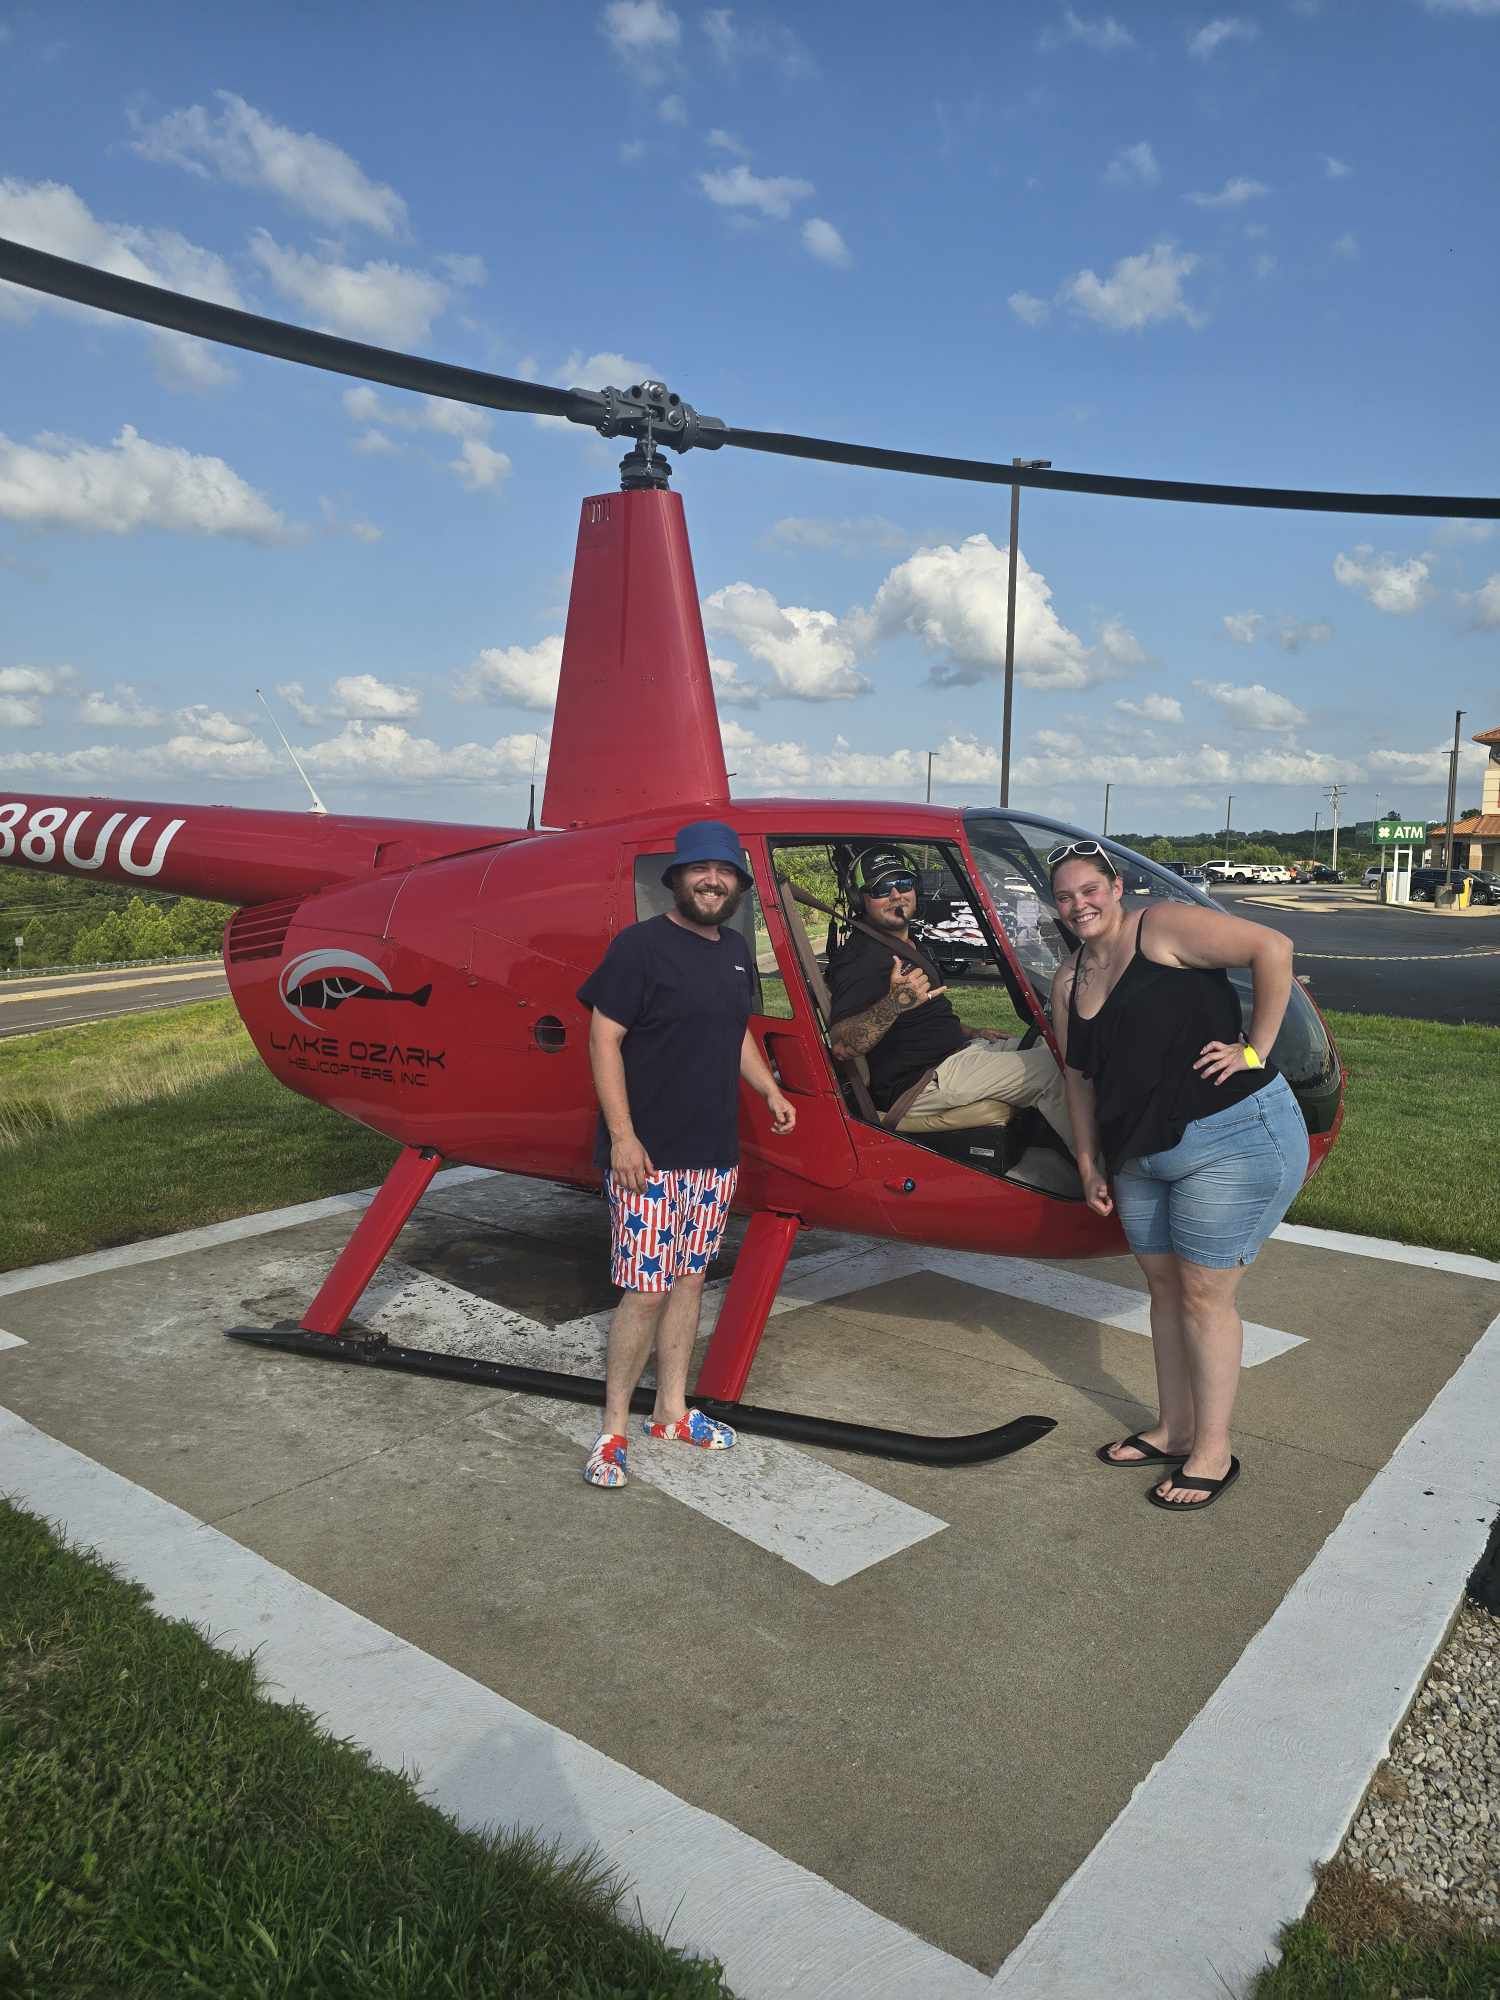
x=317 y=805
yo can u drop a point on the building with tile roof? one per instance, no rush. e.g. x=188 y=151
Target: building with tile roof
x=1476 y=839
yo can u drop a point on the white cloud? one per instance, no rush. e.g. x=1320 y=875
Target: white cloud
x=464 y=268
x=522 y=676
x=179 y=756
x=810 y=653
x=631 y=151
x=363 y=697
x=821 y=240
x=18 y=713
x=1153 y=708
x=1452 y=532
x=242 y=145
x=479 y=466
x=386 y=751
x=737 y=188
x=847 y=537
x=122 y=708
x=731 y=689
x=1296 y=633
x=1391 y=585
x=1059 y=765
x=1103 y=33
x=954 y=601
x=1429 y=767
x=1234 y=194
x=214 y=724
x=1119 y=644
x=37 y=680
x=1346 y=246
x=1264 y=264
x=726 y=142
x=1475 y=7
x=762 y=41
x=295 y=697
x=382 y=302
x=1253 y=707
x=1484 y=604
x=1028 y=308
x=1138 y=292
x=1133 y=166
x=642 y=33
x=128 y=485
x=672 y=111
x=1228 y=28
x=374 y=444
x=1336 y=170
x=50 y=216
x=417 y=413
x=1244 y=626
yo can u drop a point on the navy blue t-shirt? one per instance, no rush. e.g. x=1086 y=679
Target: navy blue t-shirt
x=684 y=1002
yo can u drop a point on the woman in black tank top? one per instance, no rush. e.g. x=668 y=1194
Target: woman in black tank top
x=1182 y=1127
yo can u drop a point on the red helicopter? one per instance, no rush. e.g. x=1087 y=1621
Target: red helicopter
x=420 y=976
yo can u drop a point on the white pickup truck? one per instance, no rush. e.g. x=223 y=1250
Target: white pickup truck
x=1230 y=871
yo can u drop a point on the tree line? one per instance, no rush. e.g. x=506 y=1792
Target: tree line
x=61 y=921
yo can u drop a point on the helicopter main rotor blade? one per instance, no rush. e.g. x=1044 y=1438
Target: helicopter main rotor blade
x=40 y=271
x=60 y=276
x=788 y=445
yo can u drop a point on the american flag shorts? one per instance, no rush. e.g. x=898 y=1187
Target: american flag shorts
x=673 y=1230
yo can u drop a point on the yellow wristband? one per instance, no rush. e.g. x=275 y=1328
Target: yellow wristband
x=1252 y=1059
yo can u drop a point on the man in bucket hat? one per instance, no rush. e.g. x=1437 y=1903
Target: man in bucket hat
x=668 y=1044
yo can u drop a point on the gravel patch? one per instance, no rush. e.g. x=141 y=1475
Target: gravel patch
x=1430 y=1823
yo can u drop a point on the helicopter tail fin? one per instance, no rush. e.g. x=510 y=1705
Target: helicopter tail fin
x=635 y=724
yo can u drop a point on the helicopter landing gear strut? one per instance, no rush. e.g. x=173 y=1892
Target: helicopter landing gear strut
x=726 y=1366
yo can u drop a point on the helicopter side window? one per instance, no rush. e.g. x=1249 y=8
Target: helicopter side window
x=653 y=899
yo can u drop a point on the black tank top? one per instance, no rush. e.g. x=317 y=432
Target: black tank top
x=1138 y=1052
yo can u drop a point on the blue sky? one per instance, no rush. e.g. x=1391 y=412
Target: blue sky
x=1256 y=246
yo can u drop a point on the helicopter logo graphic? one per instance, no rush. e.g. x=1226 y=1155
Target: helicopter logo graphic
x=325 y=980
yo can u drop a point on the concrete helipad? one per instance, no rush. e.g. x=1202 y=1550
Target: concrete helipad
x=905 y=1708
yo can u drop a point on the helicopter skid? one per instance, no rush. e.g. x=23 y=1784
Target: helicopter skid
x=372 y=1350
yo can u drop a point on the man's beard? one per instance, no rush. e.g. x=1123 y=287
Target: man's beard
x=896 y=921
x=689 y=910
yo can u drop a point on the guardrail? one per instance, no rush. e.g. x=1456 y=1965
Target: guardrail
x=13 y=972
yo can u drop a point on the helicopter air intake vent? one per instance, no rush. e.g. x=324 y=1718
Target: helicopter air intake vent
x=260 y=931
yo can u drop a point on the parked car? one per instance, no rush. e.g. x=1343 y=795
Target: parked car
x=1320 y=872
x=1274 y=871
x=1425 y=883
x=1229 y=871
x=1371 y=877
x=1190 y=871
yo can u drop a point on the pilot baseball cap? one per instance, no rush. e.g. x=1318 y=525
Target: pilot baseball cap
x=876 y=863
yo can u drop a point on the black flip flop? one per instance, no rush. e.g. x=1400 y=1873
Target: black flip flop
x=1149 y=1455
x=1212 y=1487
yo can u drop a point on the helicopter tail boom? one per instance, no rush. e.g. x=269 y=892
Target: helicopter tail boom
x=228 y=854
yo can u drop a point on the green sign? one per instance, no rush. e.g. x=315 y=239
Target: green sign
x=1403 y=832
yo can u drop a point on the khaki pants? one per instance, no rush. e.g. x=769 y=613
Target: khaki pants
x=989 y=1069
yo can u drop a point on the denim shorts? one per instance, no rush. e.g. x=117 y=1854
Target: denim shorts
x=1215 y=1196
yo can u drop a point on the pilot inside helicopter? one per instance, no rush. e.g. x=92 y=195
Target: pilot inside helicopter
x=890 y=1006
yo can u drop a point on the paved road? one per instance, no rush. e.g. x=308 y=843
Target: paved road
x=1368 y=959
x=65 y=999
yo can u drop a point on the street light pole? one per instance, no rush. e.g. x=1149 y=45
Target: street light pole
x=1105 y=827
x=1452 y=799
x=1228 y=822
x=929 y=776
x=1026 y=465
x=1335 y=793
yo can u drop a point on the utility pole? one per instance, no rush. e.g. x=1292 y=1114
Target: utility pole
x=1335 y=793
x=1105 y=827
x=1452 y=799
x=1315 y=836
x=1228 y=818
x=930 y=756
x=1026 y=465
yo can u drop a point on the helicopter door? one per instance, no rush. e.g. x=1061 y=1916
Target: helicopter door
x=782 y=1024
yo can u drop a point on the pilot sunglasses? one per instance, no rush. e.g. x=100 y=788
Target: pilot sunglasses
x=1080 y=850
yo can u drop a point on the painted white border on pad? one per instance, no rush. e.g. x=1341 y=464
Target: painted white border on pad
x=1186 y=1892
x=781 y=1932
x=1457 y=1261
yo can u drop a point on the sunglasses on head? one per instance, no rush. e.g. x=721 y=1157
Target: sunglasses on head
x=1080 y=850
x=893 y=885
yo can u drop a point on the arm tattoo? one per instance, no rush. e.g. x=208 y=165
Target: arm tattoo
x=859 y=1033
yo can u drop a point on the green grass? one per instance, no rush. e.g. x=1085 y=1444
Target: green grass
x=1364 y=1940
x=164 y=1829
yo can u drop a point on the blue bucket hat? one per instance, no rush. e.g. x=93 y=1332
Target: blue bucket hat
x=707 y=840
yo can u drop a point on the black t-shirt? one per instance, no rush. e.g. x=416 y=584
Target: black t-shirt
x=859 y=974
x=684 y=1001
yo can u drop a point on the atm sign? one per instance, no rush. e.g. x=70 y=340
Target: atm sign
x=1403 y=832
